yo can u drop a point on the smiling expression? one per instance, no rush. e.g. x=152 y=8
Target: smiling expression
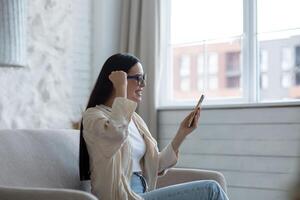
x=134 y=90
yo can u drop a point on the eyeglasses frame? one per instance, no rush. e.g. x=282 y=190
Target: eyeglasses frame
x=137 y=78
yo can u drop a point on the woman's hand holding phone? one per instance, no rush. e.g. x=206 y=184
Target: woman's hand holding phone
x=190 y=122
x=187 y=126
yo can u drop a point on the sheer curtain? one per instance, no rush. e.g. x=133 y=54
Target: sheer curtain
x=140 y=35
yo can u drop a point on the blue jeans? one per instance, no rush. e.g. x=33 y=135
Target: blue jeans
x=195 y=190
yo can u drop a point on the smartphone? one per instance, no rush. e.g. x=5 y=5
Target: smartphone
x=195 y=109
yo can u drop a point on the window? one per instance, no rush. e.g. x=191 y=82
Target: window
x=233 y=69
x=185 y=66
x=236 y=56
x=280 y=40
x=185 y=73
x=264 y=65
x=200 y=72
x=286 y=67
x=185 y=84
x=297 y=65
x=212 y=71
x=286 y=80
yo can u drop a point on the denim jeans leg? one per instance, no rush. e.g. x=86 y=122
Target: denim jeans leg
x=196 y=190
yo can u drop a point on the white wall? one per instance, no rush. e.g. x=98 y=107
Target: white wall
x=42 y=94
x=68 y=42
x=257 y=149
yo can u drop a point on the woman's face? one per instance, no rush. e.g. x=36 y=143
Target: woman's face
x=135 y=87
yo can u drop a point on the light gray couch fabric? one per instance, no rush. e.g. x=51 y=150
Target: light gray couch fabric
x=40 y=158
x=12 y=193
x=43 y=164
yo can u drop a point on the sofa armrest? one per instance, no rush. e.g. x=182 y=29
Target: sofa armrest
x=22 y=193
x=182 y=175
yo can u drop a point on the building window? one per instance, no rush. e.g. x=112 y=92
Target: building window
x=286 y=80
x=297 y=65
x=212 y=71
x=233 y=69
x=184 y=72
x=264 y=65
x=286 y=67
x=185 y=84
x=200 y=72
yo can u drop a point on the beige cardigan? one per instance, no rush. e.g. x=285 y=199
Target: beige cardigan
x=105 y=132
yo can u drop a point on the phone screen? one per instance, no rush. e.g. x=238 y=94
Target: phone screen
x=195 y=109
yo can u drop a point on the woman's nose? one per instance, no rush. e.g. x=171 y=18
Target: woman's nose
x=143 y=83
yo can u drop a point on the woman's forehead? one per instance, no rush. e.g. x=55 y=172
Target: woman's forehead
x=136 y=69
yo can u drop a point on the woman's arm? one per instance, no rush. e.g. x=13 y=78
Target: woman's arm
x=169 y=155
x=185 y=130
x=108 y=132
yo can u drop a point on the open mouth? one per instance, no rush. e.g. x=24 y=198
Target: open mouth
x=139 y=93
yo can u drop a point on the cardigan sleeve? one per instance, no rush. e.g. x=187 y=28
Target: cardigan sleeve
x=109 y=133
x=167 y=159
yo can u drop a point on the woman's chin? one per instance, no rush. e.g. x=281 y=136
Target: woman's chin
x=137 y=99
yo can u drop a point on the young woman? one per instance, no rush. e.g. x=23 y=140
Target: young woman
x=117 y=151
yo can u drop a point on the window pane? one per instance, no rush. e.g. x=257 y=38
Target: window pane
x=283 y=71
x=233 y=82
x=264 y=66
x=201 y=36
x=200 y=84
x=185 y=66
x=233 y=69
x=287 y=59
x=200 y=65
x=264 y=61
x=185 y=84
x=278 y=15
x=297 y=79
x=264 y=82
x=197 y=20
x=233 y=62
x=297 y=56
x=213 y=63
x=185 y=80
x=213 y=83
x=279 y=36
x=297 y=65
x=286 y=80
x=215 y=69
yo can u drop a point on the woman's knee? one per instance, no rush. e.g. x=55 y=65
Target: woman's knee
x=213 y=186
x=216 y=191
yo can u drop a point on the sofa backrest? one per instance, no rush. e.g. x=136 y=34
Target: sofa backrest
x=40 y=158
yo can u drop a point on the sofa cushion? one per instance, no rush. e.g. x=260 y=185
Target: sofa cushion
x=40 y=158
x=16 y=193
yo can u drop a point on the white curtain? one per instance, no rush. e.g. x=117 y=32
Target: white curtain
x=140 y=36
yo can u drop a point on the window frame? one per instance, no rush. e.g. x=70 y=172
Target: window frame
x=250 y=70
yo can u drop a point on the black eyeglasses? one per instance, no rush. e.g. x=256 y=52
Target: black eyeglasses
x=141 y=79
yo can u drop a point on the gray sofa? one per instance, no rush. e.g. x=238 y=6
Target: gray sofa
x=43 y=164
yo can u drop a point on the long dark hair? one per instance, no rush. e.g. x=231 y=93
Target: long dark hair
x=100 y=94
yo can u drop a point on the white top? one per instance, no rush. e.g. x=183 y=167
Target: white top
x=138 y=146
